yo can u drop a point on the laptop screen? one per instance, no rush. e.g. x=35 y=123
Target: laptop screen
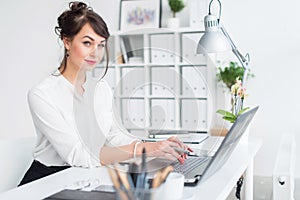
x=229 y=143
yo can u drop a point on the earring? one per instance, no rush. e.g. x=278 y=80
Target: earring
x=67 y=54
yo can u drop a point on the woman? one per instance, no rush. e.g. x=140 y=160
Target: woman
x=72 y=113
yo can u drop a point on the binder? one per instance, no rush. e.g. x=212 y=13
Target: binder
x=133 y=113
x=193 y=114
x=162 y=48
x=193 y=81
x=133 y=82
x=163 y=81
x=110 y=76
x=198 y=10
x=189 y=49
x=162 y=113
x=126 y=48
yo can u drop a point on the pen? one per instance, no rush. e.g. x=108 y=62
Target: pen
x=144 y=169
x=191 y=142
x=181 y=150
x=133 y=171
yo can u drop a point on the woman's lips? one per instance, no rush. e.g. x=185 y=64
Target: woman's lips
x=90 y=62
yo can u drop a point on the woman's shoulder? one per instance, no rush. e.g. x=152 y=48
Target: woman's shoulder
x=50 y=83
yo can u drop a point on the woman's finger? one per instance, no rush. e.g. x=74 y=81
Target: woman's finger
x=189 y=149
x=169 y=156
x=176 y=140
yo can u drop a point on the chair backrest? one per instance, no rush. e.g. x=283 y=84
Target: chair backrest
x=15 y=159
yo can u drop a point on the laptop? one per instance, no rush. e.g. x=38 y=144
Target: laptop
x=198 y=169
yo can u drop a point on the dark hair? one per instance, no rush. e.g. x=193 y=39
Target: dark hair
x=71 y=21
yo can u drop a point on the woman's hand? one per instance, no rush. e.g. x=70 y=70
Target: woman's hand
x=166 y=149
x=182 y=146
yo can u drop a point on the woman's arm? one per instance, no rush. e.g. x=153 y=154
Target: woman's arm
x=63 y=137
x=165 y=149
x=120 y=144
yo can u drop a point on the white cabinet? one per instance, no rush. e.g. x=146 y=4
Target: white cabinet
x=163 y=84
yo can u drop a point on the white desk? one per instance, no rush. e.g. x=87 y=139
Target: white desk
x=216 y=187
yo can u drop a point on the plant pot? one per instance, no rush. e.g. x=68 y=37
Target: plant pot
x=173 y=22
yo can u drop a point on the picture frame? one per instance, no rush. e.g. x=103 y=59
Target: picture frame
x=139 y=14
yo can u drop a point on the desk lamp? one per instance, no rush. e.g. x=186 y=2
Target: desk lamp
x=216 y=39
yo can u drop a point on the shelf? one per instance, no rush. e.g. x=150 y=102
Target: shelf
x=130 y=65
x=168 y=88
x=161 y=97
x=200 y=131
x=112 y=65
x=192 y=65
x=150 y=31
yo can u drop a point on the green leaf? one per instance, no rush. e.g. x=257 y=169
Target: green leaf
x=228 y=74
x=226 y=113
x=242 y=111
x=176 y=5
x=230 y=119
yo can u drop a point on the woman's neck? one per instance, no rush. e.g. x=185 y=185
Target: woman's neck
x=76 y=77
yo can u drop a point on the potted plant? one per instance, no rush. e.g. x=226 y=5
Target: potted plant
x=238 y=93
x=229 y=74
x=176 y=6
x=231 y=77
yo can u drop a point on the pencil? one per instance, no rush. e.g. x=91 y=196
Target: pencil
x=114 y=178
x=165 y=172
x=157 y=179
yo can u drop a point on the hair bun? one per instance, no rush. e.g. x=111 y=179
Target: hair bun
x=76 y=6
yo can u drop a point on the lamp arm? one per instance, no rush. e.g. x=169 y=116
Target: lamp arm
x=242 y=59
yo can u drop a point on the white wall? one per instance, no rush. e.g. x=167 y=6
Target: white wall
x=28 y=51
x=268 y=30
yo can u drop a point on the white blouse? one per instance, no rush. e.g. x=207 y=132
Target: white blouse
x=71 y=128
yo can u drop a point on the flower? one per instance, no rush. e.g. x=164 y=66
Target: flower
x=235 y=87
x=238 y=93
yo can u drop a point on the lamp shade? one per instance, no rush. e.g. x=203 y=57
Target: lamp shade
x=213 y=40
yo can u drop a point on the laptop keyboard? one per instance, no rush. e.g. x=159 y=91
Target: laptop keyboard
x=189 y=164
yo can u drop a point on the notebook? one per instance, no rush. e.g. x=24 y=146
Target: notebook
x=82 y=195
x=198 y=169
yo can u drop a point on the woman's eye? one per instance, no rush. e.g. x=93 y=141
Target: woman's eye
x=87 y=43
x=100 y=46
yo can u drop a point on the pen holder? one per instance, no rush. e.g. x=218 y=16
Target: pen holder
x=139 y=194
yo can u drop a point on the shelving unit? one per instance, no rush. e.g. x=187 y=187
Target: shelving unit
x=168 y=86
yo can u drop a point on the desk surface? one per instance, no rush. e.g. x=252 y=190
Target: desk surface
x=225 y=178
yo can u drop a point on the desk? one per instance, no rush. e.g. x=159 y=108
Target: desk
x=216 y=187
